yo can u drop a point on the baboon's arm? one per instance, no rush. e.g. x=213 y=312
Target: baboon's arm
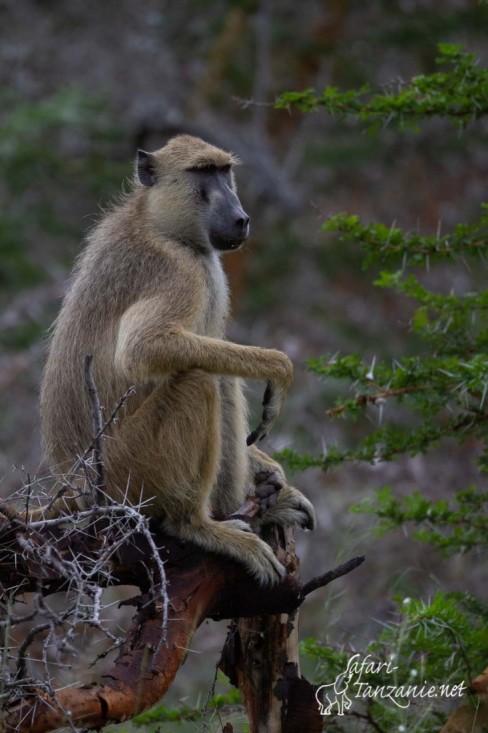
x=152 y=344
x=147 y=348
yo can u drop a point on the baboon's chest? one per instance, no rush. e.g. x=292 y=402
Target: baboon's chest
x=216 y=303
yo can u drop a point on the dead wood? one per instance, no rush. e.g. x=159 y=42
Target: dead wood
x=201 y=585
x=261 y=658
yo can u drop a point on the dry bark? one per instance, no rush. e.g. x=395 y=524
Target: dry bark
x=201 y=585
x=260 y=657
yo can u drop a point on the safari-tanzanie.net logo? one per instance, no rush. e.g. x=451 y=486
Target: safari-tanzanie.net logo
x=337 y=697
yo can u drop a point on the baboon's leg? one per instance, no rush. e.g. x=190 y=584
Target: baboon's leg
x=233 y=539
x=291 y=507
x=180 y=457
x=168 y=450
x=287 y=505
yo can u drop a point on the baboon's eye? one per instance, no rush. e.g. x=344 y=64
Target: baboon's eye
x=209 y=168
x=208 y=176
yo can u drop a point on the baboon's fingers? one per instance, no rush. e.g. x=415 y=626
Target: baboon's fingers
x=256 y=435
x=261 y=431
x=268 y=393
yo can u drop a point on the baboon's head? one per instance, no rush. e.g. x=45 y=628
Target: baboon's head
x=192 y=195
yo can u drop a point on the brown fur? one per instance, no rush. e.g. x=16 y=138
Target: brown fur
x=148 y=298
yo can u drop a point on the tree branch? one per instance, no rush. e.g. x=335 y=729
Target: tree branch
x=322 y=580
x=99 y=493
x=202 y=585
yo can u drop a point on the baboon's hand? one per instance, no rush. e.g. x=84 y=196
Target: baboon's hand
x=274 y=397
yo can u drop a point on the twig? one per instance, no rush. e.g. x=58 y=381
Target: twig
x=121 y=509
x=27 y=501
x=104 y=427
x=144 y=528
x=99 y=495
x=322 y=580
x=205 y=710
x=22 y=653
x=382 y=394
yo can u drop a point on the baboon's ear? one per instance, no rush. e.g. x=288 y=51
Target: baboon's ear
x=146 y=168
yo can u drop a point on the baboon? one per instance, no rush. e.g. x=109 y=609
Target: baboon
x=148 y=300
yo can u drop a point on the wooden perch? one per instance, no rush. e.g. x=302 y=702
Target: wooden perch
x=260 y=658
x=201 y=585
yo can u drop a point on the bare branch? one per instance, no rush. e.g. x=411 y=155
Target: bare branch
x=82 y=553
x=99 y=495
x=323 y=580
x=99 y=434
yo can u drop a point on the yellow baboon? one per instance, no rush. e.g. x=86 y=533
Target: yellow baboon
x=148 y=299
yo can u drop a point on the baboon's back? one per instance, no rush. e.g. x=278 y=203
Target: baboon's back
x=117 y=267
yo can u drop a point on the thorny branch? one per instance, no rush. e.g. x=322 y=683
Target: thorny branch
x=323 y=580
x=99 y=496
x=63 y=554
x=69 y=484
x=52 y=558
x=379 y=396
x=81 y=568
x=120 y=404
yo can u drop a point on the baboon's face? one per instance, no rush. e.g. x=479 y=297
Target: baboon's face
x=192 y=194
x=226 y=222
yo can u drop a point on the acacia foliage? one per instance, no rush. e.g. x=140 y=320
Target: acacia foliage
x=459 y=94
x=441 y=382
x=434 y=395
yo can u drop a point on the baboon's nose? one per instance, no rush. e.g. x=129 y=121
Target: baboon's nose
x=242 y=224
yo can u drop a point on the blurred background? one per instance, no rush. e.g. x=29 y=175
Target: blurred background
x=83 y=84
